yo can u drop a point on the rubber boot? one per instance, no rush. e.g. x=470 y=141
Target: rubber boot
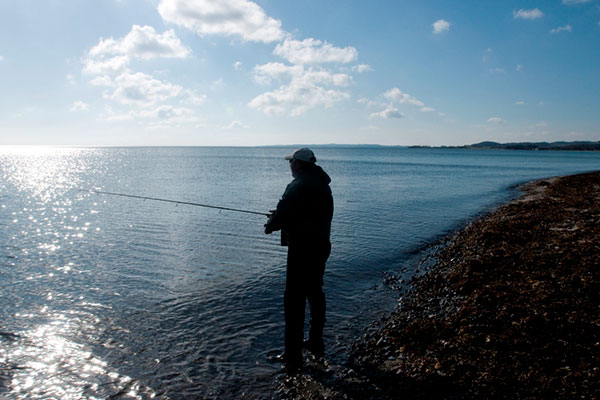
x=315 y=344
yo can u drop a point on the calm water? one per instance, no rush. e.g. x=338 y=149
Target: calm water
x=106 y=296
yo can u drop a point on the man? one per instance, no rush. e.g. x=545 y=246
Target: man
x=304 y=217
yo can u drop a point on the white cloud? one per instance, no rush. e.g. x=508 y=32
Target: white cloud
x=397 y=95
x=302 y=89
x=520 y=103
x=298 y=96
x=113 y=56
x=148 y=98
x=495 y=120
x=388 y=113
x=441 y=25
x=163 y=115
x=1 y=58
x=235 y=124
x=139 y=89
x=323 y=77
x=264 y=74
x=237 y=65
x=390 y=99
x=341 y=79
x=519 y=68
x=528 y=14
x=79 y=106
x=312 y=51
x=566 y=28
x=367 y=102
x=110 y=66
x=193 y=98
x=103 y=80
x=224 y=17
x=144 y=43
x=170 y=114
x=362 y=68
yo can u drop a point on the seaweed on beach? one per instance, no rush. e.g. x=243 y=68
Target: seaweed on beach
x=511 y=310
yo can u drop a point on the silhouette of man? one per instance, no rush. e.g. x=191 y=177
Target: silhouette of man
x=304 y=216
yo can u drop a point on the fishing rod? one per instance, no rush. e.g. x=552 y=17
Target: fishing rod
x=180 y=202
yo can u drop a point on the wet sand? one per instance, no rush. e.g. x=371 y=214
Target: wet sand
x=510 y=310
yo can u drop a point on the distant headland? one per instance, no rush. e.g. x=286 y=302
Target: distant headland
x=580 y=145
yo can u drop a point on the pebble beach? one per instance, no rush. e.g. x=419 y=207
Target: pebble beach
x=510 y=310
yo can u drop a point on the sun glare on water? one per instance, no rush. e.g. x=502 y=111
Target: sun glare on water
x=48 y=356
x=43 y=172
x=50 y=364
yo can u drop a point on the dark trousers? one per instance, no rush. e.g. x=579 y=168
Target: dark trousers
x=304 y=281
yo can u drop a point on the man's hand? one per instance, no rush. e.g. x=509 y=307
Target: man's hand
x=268 y=229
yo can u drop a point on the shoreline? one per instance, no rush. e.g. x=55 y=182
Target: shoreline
x=508 y=310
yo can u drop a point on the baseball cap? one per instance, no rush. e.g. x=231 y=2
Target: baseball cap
x=304 y=154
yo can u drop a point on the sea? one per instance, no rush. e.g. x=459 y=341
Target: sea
x=104 y=296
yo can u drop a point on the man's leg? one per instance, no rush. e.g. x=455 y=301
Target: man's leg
x=316 y=300
x=294 y=302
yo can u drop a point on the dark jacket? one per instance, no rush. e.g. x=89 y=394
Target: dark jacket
x=305 y=210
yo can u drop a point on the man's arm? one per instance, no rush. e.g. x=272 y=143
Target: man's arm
x=280 y=216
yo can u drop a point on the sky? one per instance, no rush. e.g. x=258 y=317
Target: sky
x=267 y=72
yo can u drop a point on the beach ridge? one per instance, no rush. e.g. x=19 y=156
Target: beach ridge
x=510 y=310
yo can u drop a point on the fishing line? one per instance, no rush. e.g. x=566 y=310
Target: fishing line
x=180 y=202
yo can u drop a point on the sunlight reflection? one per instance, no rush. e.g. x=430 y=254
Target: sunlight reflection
x=44 y=172
x=47 y=363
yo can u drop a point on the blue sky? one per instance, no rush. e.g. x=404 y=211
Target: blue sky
x=240 y=72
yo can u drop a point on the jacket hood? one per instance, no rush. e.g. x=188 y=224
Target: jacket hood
x=316 y=172
x=323 y=175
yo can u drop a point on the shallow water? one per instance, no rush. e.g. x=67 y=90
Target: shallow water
x=106 y=296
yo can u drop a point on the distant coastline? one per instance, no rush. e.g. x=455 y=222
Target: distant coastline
x=579 y=146
x=487 y=145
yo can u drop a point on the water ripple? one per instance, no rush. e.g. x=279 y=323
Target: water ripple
x=106 y=297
